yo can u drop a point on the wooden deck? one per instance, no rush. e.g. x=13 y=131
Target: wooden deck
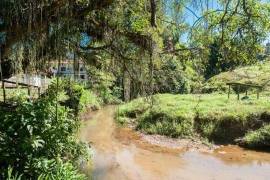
x=26 y=81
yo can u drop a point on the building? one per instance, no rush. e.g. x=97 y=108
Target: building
x=66 y=69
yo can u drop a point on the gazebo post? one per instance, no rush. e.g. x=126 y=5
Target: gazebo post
x=229 y=91
x=238 y=96
x=38 y=91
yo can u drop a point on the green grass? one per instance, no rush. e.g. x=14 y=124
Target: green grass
x=211 y=116
x=258 y=138
x=12 y=94
x=88 y=99
x=256 y=74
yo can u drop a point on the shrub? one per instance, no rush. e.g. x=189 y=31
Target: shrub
x=47 y=169
x=158 y=122
x=75 y=96
x=11 y=175
x=258 y=138
x=56 y=169
x=35 y=130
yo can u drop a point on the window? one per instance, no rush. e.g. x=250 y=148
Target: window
x=82 y=76
x=81 y=69
x=63 y=68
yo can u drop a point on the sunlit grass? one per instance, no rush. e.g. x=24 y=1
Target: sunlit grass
x=213 y=116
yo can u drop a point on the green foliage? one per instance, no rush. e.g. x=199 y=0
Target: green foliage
x=233 y=36
x=48 y=169
x=215 y=65
x=211 y=116
x=74 y=95
x=258 y=138
x=75 y=92
x=35 y=130
x=80 y=98
x=157 y=122
x=10 y=175
x=174 y=76
x=56 y=169
x=104 y=84
x=89 y=99
x=15 y=95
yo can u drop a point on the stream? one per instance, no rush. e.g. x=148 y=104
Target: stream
x=120 y=154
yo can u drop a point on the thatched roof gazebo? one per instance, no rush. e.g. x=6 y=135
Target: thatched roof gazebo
x=238 y=85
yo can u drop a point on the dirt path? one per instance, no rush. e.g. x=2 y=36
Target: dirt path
x=120 y=154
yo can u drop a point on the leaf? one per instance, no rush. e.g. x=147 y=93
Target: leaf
x=37 y=143
x=30 y=129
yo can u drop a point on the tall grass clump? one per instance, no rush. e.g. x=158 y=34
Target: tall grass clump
x=258 y=138
x=210 y=116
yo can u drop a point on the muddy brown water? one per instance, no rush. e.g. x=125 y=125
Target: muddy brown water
x=120 y=154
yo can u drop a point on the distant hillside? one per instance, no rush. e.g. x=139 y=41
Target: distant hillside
x=256 y=74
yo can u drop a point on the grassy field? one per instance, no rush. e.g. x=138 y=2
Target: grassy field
x=211 y=116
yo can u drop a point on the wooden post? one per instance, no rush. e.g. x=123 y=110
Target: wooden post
x=4 y=90
x=238 y=96
x=246 y=92
x=38 y=91
x=28 y=91
x=1 y=74
x=258 y=94
x=229 y=91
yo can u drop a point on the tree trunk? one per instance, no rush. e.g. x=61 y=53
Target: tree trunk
x=153 y=5
x=126 y=86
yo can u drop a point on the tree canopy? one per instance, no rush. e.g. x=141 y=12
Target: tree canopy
x=136 y=36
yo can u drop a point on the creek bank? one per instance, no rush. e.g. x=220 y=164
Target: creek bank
x=183 y=144
x=210 y=117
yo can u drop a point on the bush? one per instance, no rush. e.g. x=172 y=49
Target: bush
x=35 y=130
x=56 y=169
x=158 y=122
x=258 y=138
x=105 y=86
x=75 y=96
x=175 y=77
x=80 y=98
x=47 y=169
x=11 y=175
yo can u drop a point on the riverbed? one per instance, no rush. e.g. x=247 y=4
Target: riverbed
x=120 y=153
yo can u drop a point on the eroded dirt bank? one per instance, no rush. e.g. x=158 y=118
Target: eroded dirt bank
x=120 y=153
